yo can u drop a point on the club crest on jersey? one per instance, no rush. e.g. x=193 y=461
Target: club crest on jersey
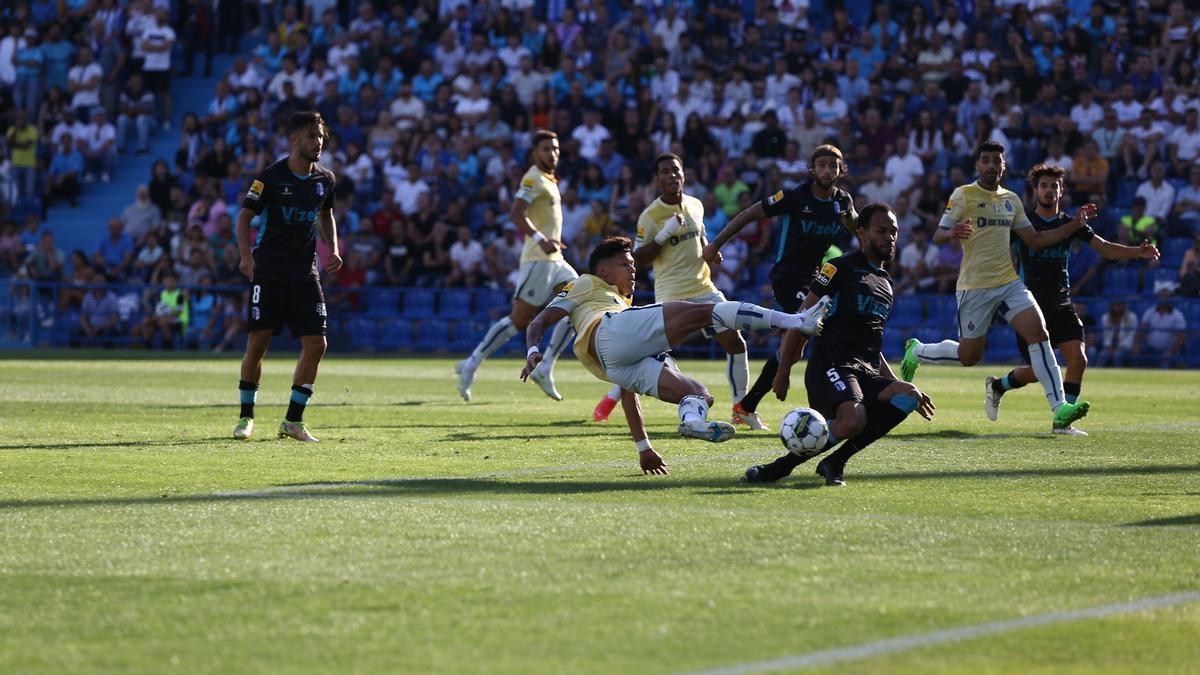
x=826 y=274
x=255 y=192
x=285 y=190
x=320 y=190
x=775 y=198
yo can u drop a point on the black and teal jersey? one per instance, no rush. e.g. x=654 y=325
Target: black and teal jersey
x=862 y=300
x=286 y=248
x=808 y=226
x=1044 y=271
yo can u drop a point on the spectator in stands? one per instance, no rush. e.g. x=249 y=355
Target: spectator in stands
x=1118 y=328
x=22 y=140
x=62 y=178
x=99 y=147
x=28 y=59
x=148 y=256
x=1162 y=330
x=1187 y=204
x=46 y=264
x=114 y=254
x=100 y=317
x=1189 y=270
x=156 y=42
x=1158 y=193
x=370 y=253
x=1138 y=226
x=1183 y=145
x=161 y=183
x=136 y=112
x=504 y=257
x=399 y=262
x=11 y=251
x=83 y=82
x=466 y=260
x=168 y=314
x=918 y=264
x=204 y=315
x=72 y=294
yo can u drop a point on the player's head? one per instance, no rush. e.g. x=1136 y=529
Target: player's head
x=612 y=261
x=307 y=132
x=1046 y=181
x=668 y=175
x=826 y=165
x=989 y=163
x=877 y=231
x=545 y=149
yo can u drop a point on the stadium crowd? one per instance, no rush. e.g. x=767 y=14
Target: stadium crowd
x=431 y=105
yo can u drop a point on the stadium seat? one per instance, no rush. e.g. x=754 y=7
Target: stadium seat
x=1125 y=193
x=1173 y=251
x=467 y=334
x=432 y=334
x=362 y=333
x=906 y=311
x=454 y=303
x=1162 y=274
x=941 y=311
x=382 y=302
x=492 y=302
x=418 y=303
x=1120 y=281
x=396 y=334
x=1001 y=346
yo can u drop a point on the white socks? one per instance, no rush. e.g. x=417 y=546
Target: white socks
x=501 y=332
x=737 y=370
x=743 y=316
x=942 y=352
x=693 y=409
x=559 y=339
x=1045 y=366
x=614 y=394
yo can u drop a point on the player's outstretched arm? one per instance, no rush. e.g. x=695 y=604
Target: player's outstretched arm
x=1113 y=251
x=651 y=462
x=533 y=337
x=328 y=229
x=1038 y=240
x=731 y=230
x=790 y=346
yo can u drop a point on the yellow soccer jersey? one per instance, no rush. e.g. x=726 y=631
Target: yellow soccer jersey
x=679 y=269
x=540 y=191
x=587 y=299
x=987 y=262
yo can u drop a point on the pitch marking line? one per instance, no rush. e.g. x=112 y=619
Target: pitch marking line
x=902 y=644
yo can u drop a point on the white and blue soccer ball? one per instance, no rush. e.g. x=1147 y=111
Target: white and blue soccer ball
x=804 y=431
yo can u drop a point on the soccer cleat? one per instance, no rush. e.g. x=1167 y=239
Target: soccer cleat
x=466 y=376
x=751 y=419
x=1068 y=430
x=908 y=365
x=244 y=428
x=1067 y=413
x=810 y=321
x=991 y=398
x=296 y=430
x=711 y=431
x=832 y=478
x=604 y=408
x=545 y=380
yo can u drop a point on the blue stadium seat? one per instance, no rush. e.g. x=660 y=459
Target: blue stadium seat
x=941 y=311
x=491 y=302
x=418 y=303
x=1173 y=251
x=906 y=311
x=454 y=303
x=362 y=332
x=467 y=334
x=1001 y=346
x=382 y=302
x=1120 y=281
x=1125 y=193
x=432 y=334
x=396 y=334
x=934 y=335
x=1162 y=274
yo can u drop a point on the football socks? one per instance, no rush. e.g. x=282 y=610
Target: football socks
x=300 y=395
x=249 y=394
x=1045 y=366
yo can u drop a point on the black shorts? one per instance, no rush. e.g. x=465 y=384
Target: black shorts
x=299 y=305
x=789 y=293
x=829 y=386
x=1062 y=323
x=157 y=81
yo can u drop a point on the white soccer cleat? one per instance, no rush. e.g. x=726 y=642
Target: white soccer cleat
x=545 y=380
x=465 y=370
x=244 y=428
x=812 y=320
x=750 y=419
x=1069 y=431
x=991 y=399
x=705 y=430
x=296 y=430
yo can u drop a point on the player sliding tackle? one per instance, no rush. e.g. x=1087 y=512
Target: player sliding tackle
x=848 y=380
x=627 y=345
x=1045 y=273
x=981 y=216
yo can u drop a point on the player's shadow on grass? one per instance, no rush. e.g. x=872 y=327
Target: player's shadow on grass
x=133 y=443
x=1193 y=519
x=1063 y=472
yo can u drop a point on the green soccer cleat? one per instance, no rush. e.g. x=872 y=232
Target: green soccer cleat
x=296 y=430
x=1067 y=413
x=244 y=428
x=908 y=365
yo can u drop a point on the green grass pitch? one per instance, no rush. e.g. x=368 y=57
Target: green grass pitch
x=514 y=535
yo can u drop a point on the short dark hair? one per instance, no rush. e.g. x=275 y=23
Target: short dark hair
x=1040 y=171
x=613 y=246
x=299 y=121
x=827 y=150
x=988 y=146
x=666 y=157
x=543 y=135
x=869 y=211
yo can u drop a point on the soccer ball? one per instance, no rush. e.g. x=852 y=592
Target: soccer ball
x=804 y=431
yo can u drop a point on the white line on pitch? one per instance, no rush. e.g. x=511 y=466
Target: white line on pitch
x=901 y=644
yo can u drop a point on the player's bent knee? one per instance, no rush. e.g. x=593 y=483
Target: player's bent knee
x=968 y=359
x=850 y=421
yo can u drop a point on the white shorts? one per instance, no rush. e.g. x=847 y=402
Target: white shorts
x=977 y=306
x=631 y=347
x=711 y=298
x=539 y=278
